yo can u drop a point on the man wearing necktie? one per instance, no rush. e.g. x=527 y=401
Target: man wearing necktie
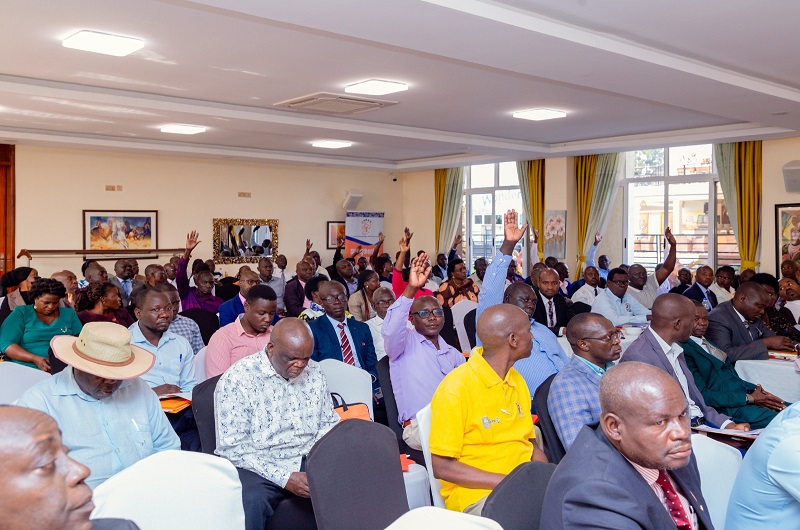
x=124 y=280
x=700 y=290
x=552 y=309
x=590 y=288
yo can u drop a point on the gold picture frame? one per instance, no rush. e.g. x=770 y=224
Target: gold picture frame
x=241 y=240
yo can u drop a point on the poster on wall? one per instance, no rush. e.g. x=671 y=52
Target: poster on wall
x=555 y=233
x=787 y=216
x=361 y=230
x=120 y=231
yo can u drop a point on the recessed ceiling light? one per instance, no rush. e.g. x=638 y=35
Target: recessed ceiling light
x=182 y=129
x=539 y=114
x=331 y=144
x=376 y=87
x=92 y=41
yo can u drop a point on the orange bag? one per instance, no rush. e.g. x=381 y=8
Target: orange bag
x=349 y=411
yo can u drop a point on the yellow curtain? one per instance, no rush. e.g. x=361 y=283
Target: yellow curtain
x=585 y=171
x=748 y=200
x=440 y=184
x=535 y=192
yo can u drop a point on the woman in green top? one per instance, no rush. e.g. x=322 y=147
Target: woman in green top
x=25 y=335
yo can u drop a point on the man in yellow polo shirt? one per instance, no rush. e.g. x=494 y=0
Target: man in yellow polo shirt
x=481 y=413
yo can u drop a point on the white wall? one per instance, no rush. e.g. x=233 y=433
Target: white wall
x=774 y=155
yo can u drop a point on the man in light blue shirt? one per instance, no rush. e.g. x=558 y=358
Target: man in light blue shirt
x=109 y=417
x=766 y=493
x=547 y=355
x=616 y=304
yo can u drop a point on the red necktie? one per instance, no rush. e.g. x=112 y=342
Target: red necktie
x=674 y=504
x=347 y=351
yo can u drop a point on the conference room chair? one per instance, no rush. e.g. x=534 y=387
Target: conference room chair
x=169 y=490
x=580 y=307
x=385 y=379
x=553 y=448
x=516 y=503
x=432 y=518
x=207 y=321
x=355 y=477
x=200 y=365
x=718 y=465
x=460 y=312
x=56 y=364
x=227 y=288
x=353 y=384
x=470 y=327
x=15 y=379
x=448 y=332
x=424 y=421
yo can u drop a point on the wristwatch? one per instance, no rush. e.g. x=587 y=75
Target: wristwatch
x=749 y=397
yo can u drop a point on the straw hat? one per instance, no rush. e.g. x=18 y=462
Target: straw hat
x=103 y=349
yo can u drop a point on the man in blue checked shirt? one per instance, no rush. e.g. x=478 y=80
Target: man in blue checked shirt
x=547 y=356
x=574 y=399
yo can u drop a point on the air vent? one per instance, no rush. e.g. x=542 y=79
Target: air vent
x=327 y=103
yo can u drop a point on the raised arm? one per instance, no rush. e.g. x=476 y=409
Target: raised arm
x=535 y=247
x=405 y=248
x=373 y=259
x=590 y=256
x=181 y=276
x=494 y=280
x=669 y=263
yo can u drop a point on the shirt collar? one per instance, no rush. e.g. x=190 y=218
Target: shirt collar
x=649 y=475
x=67 y=386
x=668 y=349
x=738 y=313
x=241 y=298
x=486 y=373
x=335 y=323
x=237 y=324
x=138 y=337
x=593 y=367
x=544 y=298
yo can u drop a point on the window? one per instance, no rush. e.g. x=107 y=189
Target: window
x=676 y=187
x=489 y=191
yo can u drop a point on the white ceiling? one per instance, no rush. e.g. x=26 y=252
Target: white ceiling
x=629 y=73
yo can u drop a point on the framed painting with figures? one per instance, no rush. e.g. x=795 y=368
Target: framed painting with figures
x=120 y=231
x=244 y=240
x=787 y=233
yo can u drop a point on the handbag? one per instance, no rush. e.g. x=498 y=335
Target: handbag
x=349 y=411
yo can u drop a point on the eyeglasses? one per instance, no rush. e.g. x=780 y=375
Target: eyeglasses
x=425 y=313
x=331 y=299
x=611 y=337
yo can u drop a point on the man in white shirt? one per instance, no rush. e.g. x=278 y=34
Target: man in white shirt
x=590 y=289
x=480 y=270
x=616 y=304
x=645 y=289
x=278 y=284
x=382 y=299
x=270 y=409
x=722 y=287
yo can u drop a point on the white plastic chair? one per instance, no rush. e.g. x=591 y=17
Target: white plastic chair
x=718 y=465
x=170 y=489
x=460 y=311
x=15 y=379
x=200 y=365
x=431 y=518
x=353 y=384
x=424 y=426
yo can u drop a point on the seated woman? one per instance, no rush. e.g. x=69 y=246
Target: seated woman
x=100 y=302
x=360 y=303
x=457 y=286
x=21 y=277
x=25 y=335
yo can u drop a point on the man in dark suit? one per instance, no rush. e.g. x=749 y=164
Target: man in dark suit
x=229 y=311
x=295 y=296
x=552 y=310
x=124 y=280
x=685 y=277
x=635 y=469
x=340 y=338
x=672 y=323
x=699 y=291
x=721 y=386
x=736 y=327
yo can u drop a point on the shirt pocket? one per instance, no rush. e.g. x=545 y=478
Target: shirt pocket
x=141 y=438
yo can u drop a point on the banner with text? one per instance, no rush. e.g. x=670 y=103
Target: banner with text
x=361 y=229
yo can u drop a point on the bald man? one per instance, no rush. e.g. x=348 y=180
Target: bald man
x=700 y=291
x=418 y=358
x=635 y=469
x=672 y=323
x=45 y=489
x=481 y=427
x=70 y=281
x=271 y=408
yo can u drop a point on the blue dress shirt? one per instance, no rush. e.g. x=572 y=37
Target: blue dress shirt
x=174 y=360
x=574 y=399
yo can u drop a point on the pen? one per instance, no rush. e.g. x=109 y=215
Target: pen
x=180 y=360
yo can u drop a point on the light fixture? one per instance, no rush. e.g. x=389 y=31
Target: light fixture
x=93 y=41
x=176 y=128
x=331 y=144
x=539 y=114
x=376 y=87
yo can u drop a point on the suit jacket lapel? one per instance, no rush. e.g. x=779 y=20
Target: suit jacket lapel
x=659 y=353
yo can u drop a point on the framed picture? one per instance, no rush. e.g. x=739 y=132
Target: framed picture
x=244 y=240
x=335 y=231
x=555 y=233
x=120 y=231
x=787 y=234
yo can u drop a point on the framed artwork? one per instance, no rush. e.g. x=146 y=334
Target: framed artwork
x=555 y=233
x=120 y=231
x=787 y=234
x=335 y=231
x=244 y=240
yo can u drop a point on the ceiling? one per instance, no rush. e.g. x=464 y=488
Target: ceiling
x=628 y=73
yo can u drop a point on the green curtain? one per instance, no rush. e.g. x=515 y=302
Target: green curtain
x=531 y=185
x=724 y=158
x=449 y=190
x=748 y=201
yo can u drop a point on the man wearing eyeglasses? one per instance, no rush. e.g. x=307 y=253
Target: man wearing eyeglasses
x=229 y=311
x=418 y=358
x=616 y=303
x=574 y=399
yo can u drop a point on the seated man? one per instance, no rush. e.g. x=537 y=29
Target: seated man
x=700 y=291
x=766 y=493
x=721 y=386
x=248 y=334
x=270 y=410
x=590 y=288
x=644 y=288
x=616 y=304
x=294 y=295
x=481 y=427
x=635 y=469
x=736 y=326
x=173 y=371
x=723 y=286
x=573 y=400
x=673 y=322
x=107 y=414
x=547 y=356
x=418 y=358
x=229 y=311
x=278 y=283
x=180 y=325
x=480 y=270
x=552 y=309
x=199 y=296
x=53 y=497
x=382 y=298
x=346 y=276
x=685 y=279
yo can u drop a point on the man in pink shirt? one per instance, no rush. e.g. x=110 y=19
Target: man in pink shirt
x=244 y=336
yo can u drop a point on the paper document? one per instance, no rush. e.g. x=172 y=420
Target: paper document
x=730 y=432
x=184 y=395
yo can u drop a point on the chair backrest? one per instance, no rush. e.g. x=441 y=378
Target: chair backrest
x=718 y=465
x=355 y=478
x=448 y=332
x=385 y=379
x=207 y=321
x=432 y=518
x=553 y=447
x=200 y=365
x=203 y=408
x=353 y=384
x=460 y=311
x=471 y=328
x=516 y=503
x=581 y=307
x=15 y=379
x=147 y=493
x=424 y=426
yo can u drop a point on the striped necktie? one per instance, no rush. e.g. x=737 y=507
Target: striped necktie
x=347 y=351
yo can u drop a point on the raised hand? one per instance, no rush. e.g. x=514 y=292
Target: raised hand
x=535 y=236
x=403 y=244
x=457 y=241
x=408 y=235
x=192 y=241
x=420 y=271
x=381 y=237
x=339 y=242
x=597 y=238
x=669 y=236
x=511 y=229
x=309 y=244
